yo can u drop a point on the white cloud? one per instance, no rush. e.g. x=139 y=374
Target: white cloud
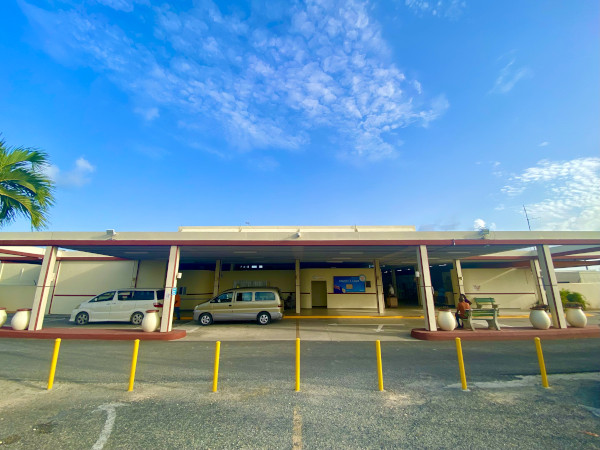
x=148 y=114
x=543 y=144
x=480 y=224
x=121 y=5
x=560 y=195
x=509 y=76
x=439 y=8
x=324 y=66
x=78 y=176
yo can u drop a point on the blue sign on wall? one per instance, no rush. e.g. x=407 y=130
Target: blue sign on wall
x=346 y=285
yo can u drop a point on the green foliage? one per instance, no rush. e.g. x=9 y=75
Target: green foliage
x=567 y=296
x=25 y=190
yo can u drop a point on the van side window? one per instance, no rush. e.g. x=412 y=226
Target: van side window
x=223 y=298
x=262 y=296
x=143 y=295
x=160 y=294
x=125 y=295
x=107 y=296
x=244 y=297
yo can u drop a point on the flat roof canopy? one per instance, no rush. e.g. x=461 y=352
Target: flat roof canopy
x=342 y=245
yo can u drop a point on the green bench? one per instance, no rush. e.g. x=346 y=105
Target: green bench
x=486 y=310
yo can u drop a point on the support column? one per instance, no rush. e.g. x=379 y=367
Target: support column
x=379 y=288
x=551 y=286
x=44 y=286
x=166 y=323
x=298 y=286
x=538 y=282
x=217 y=278
x=460 y=281
x=425 y=288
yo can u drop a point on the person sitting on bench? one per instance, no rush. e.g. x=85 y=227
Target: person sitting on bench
x=463 y=305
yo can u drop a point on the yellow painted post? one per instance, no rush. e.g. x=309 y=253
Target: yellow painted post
x=134 y=357
x=297 y=364
x=379 y=366
x=216 y=375
x=538 y=347
x=461 y=365
x=53 y=364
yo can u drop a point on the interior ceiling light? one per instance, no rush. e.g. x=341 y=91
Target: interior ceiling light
x=245 y=251
x=351 y=253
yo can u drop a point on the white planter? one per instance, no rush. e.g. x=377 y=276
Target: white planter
x=539 y=319
x=151 y=321
x=2 y=316
x=446 y=320
x=576 y=317
x=21 y=319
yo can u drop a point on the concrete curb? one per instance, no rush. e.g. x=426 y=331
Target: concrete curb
x=512 y=334
x=96 y=334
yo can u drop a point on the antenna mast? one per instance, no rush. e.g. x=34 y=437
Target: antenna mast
x=527 y=217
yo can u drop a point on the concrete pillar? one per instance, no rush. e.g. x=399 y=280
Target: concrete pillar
x=538 y=283
x=379 y=288
x=426 y=288
x=166 y=323
x=460 y=281
x=217 y=278
x=44 y=286
x=551 y=286
x=298 y=286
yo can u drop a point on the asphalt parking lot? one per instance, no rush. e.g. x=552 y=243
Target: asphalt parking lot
x=338 y=406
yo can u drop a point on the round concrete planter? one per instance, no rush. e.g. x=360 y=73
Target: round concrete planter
x=540 y=319
x=446 y=320
x=21 y=319
x=151 y=321
x=2 y=316
x=576 y=316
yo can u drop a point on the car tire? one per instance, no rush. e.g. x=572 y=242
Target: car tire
x=137 y=318
x=263 y=318
x=82 y=318
x=205 y=319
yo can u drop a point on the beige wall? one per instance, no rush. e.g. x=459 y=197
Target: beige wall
x=591 y=292
x=80 y=280
x=151 y=274
x=350 y=301
x=17 y=285
x=510 y=287
x=199 y=285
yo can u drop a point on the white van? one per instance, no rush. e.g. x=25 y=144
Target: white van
x=120 y=305
x=259 y=304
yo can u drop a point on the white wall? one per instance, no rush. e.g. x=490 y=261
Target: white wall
x=510 y=287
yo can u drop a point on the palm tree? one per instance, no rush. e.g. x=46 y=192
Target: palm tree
x=25 y=190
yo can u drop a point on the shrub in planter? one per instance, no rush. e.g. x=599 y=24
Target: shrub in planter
x=567 y=296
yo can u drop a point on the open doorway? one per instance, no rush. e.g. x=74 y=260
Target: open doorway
x=318 y=291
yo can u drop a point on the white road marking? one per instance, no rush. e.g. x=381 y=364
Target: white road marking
x=379 y=328
x=191 y=330
x=297 y=433
x=594 y=411
x=529 y=380
x=111 y=415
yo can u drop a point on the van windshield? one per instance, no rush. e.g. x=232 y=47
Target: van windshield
x=107 y=296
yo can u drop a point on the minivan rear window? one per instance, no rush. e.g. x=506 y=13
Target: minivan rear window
x=262 y=296
x=143 y=295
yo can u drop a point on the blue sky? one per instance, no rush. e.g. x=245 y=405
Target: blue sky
x=445 y=115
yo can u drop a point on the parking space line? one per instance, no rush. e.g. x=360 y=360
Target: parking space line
x=111 y=415
x=297 y=433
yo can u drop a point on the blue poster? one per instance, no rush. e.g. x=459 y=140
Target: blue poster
x=346 y=285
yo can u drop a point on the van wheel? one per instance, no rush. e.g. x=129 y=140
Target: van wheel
x=136 y=318
x=82 y=318
x=263 y=318
x=205 y=319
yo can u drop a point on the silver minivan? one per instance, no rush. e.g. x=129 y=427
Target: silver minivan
x=260 y=304
x=120 y=305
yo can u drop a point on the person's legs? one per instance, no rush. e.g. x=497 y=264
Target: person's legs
x=458 y=324
x=178 y=312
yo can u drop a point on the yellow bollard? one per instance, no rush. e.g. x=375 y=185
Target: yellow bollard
x=216 y=375
x=136 y=346
x=461 y=365
x=379 y=367
x=53 y=364
x=297 y=364
x=538 y=347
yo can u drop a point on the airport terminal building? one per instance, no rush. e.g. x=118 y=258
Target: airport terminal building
x=338 y=267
